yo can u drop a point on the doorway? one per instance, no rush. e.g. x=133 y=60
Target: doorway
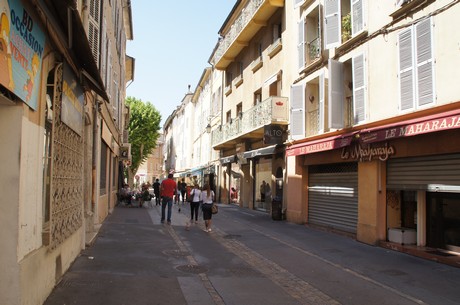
x=443 y=221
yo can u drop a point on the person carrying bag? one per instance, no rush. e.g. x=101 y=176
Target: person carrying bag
x=207 y=197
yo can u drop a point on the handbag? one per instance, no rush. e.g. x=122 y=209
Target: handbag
x=190 y=197
x=214 y=208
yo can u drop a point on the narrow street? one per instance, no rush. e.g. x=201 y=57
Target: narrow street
x=247 y=259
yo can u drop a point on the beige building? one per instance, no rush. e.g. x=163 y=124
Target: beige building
x=62 y=115
x=153 y=167
x=374 y=109
x=347 y=110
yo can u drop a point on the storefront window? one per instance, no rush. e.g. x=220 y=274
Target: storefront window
x=263 y=194
x=409 y=209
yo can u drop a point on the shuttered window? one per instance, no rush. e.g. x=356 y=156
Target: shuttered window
x=322 y=103
x=357 y=19
x=359 y=89
x=297 y=119
x=336 y=95
x=332 y=24
x=301 y=44
x=416 y=66
x=94 y=28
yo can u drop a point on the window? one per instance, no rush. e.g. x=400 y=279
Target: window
x=297 y=119
x=309 y=39
x=343 y=19
x=239 y=109
x=257 y=97
x=229 y=116
x=103 y=172
x=94 y=28
x=347 y=92
x=416 y=66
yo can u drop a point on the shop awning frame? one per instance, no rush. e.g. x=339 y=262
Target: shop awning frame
x=265 y=151
x=320 y=145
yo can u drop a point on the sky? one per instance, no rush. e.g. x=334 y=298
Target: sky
x=172 y=43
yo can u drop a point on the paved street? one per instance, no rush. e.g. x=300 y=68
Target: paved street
x=247 y=259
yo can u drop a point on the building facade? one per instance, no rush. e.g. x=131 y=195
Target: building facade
x=343 y=112
x=62 y=119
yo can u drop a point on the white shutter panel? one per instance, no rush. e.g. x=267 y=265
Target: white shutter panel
x=359 y=89
x=332 y=23
x=301 y=44
x=109 y=69
x=424 y=63
x=322 y=99
x=297 y=119
x=336 y=100
x=406 y=71
x=357 y=20
x=93 y=29
x=297 y=2
x=103 y=67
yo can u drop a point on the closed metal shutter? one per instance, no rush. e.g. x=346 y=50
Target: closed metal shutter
x=333 y=196
x=432 y=173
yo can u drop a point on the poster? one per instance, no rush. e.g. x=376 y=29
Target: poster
x=22 y=44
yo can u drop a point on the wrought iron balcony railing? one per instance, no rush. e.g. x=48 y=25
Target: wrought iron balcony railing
x=273 y=110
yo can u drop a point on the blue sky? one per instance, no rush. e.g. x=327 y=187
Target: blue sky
x=172 y=43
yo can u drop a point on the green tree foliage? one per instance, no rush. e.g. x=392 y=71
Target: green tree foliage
x=143 y=128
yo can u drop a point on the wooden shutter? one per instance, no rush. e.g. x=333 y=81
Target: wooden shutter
x=103 y=67
x=94 y=28
x=332 y=23
x=322 y=100
x=406 y=75
x=301 y=44
x=297 y=119
x=424 y=60
x=359 y=89
x=336 y=100
x=357 y=20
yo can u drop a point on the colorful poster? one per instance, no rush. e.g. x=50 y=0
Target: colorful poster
x=72 y=101
x=22 y=44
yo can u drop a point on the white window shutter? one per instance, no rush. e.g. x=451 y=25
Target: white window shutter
x=336 y=94
x=301 y=44
x=357 y=20
x=406 y=70
x=103 y=67
x=359 y=89
x=298 y=2
x=322 y=100
x=424 y=59
x=94 y=28
x=297 y=119
x=332 y=23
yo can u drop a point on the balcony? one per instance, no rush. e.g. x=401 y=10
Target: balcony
x=250 y=124
x=251 y=19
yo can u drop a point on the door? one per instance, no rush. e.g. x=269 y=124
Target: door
x=443 y=220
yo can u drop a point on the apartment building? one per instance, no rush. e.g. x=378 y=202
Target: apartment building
x=374 y=115
x=254 y=120
x=63 y=69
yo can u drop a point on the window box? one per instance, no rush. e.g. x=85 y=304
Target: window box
x=257 y=64
x=275 y=48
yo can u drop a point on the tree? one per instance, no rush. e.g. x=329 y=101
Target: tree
x=143 y=130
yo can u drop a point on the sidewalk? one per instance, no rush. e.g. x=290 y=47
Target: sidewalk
x=130 y=257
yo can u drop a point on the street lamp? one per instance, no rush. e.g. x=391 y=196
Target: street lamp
x=208 y=128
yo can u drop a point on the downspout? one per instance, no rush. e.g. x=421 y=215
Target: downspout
x=94 y=161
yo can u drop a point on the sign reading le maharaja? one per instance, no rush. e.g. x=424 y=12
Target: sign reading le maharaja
x=367 y=152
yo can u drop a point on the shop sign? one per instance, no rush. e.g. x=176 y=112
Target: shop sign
x=273 y=134
x=320 y=146
x=72 y=102
x=367 y=152
x=439 y=124
x=22 y=44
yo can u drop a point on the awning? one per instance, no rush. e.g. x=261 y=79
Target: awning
x=228 y=159
x=320 y=145
x=432 y=123
x=269 y=150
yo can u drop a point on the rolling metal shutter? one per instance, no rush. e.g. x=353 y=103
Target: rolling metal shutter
x=431 y=173
x=333 y=196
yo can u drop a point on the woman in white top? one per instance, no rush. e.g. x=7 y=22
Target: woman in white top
x=207 y=197
x=195 y=194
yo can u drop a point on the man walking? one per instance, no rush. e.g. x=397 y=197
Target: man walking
x=156 y=191
x=168 y=189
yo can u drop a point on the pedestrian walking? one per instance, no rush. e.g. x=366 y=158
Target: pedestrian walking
x=156 y=191
x=195 y=195
x=168 y=189
x=207 y=197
